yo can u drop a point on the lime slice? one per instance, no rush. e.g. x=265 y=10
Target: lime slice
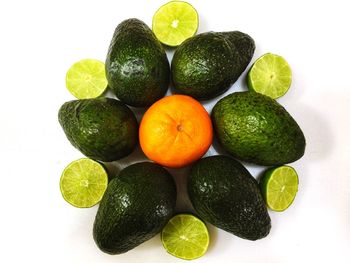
x=279 y=187
x=83 y=183
x=185 y=236
x=270 y=75
x=174 y=22
x=86 y=79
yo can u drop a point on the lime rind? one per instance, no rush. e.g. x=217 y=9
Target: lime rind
x=174 y=22
x=279 y=187
x=86 y=79
x=185 y=236
x=270 y=75
x=83 y=183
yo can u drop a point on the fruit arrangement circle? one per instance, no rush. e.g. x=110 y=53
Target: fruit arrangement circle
x=176 y=131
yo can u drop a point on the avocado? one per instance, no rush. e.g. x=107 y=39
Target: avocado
x=103 y=129
x=255 y=128
x=224 y=193
x=137 y=67
x=135 y=207
x=207 y=64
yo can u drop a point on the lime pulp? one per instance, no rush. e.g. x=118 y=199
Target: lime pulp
x=83 y=183
x=270 y=75
x=86 y=79
x=279 y=187
x=174 y=22
x=185 y=236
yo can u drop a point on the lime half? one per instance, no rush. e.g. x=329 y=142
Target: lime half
x=279 y=187
x=174 y=22
x=270 y=75
x=185 y=236
x=86 y=79
x=83 y=183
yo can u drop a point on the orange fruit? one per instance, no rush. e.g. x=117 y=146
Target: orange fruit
x=175 y=131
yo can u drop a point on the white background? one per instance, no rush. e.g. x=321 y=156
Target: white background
x=39 y=40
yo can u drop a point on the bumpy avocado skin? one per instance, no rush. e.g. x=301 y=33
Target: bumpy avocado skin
x=135 y=207
x=207 y=64
x=255 y=128
x=137 y=67
x=103 y=129
x=224 y=193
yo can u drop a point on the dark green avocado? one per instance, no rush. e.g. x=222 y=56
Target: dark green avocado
x=137 y=67
x=103 y=129
x=254 y=128
x=224 y=193
x=207 y=64
x=135 y=207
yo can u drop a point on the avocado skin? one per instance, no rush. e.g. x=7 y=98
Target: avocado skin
x=207 y=64
x=255 y=128
x=137 y=67
x=135 y=207
x=103 y=129
x=224 y=193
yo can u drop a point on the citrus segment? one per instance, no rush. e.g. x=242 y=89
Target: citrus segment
x=86 y=79
x=83 y=183
x=174 y=22
x=185 y=236
x=279 y=187
x=270 y=75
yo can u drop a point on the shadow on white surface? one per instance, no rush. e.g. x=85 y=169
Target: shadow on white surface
x=213 y=235
x=203 y=25
x=318 y=132
x=153 y=243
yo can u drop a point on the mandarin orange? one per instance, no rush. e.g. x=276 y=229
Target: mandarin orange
x=175 y=131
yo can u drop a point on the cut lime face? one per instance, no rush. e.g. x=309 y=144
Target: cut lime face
x=174 y=22
x=279 y=187
x=86 y=79
x=185 y=236
x=83 y=183
x=270 y=75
